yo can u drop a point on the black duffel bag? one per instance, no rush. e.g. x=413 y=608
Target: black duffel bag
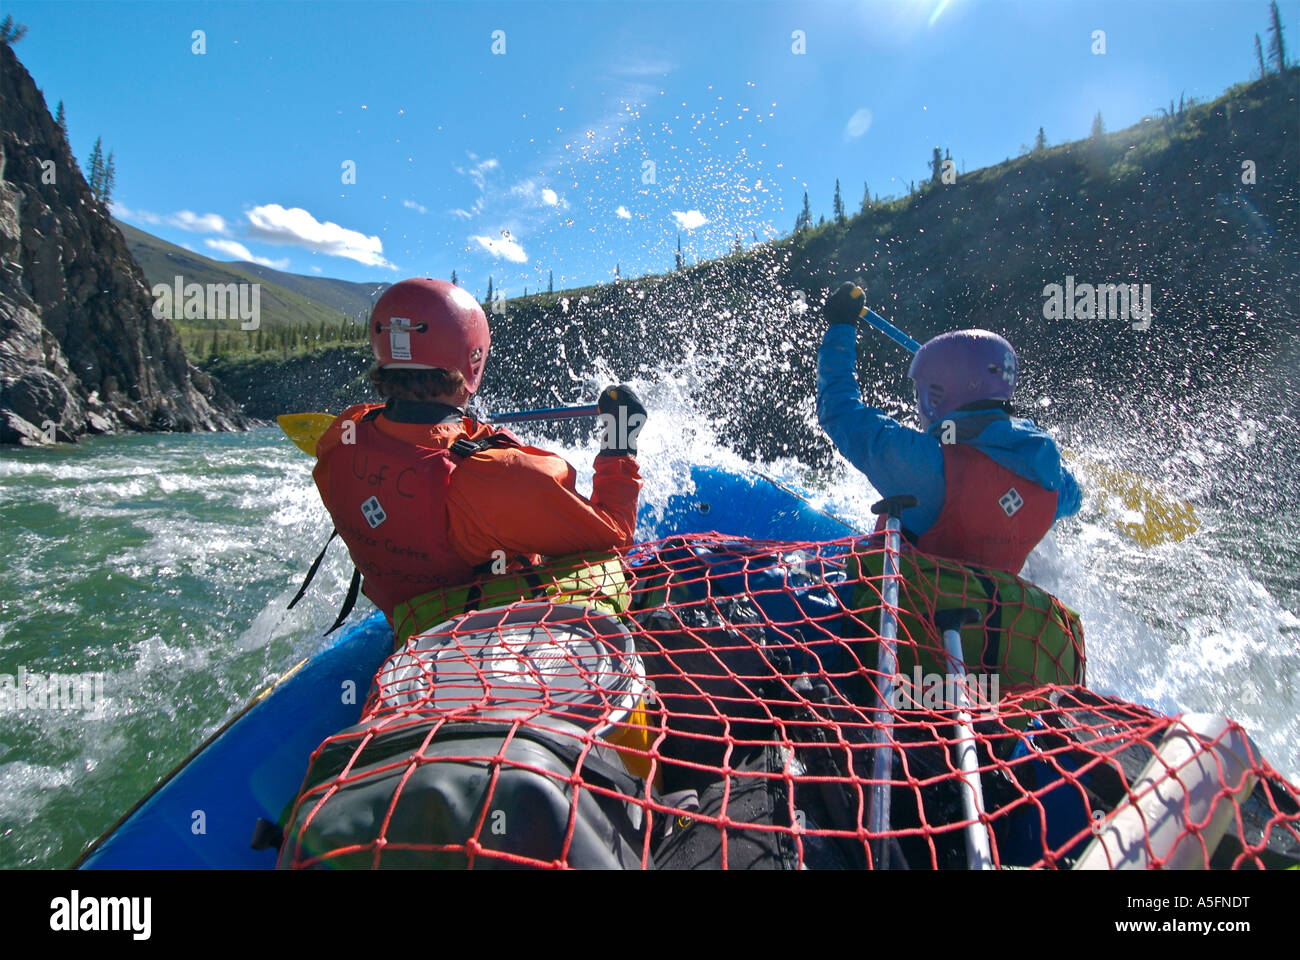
x=480 y=795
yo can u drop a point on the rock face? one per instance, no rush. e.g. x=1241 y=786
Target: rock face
x=80 y=349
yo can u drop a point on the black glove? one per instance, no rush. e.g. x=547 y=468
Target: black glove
x=622 y=415
x=845 y=305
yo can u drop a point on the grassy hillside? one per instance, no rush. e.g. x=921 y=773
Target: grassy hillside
x=296 y=311
x=349 y=298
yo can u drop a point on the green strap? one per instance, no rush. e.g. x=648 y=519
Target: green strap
x=599 y=582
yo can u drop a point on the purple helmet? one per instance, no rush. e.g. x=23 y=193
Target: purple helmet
x=958 y=368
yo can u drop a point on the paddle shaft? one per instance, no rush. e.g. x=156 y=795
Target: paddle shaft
x=889 y=330
x=549 y=413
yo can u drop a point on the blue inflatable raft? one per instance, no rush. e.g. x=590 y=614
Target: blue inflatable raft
x=254 y=765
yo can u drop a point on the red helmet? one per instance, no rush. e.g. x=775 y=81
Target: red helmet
x=427 y=324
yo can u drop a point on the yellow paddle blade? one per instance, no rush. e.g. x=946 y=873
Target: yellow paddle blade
x=1146 y=515
x=304 y=429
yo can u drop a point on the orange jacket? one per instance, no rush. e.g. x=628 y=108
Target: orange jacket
x=521 y=500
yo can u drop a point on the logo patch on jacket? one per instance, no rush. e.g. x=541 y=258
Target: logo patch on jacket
x=373 y=512
x=1010 y=502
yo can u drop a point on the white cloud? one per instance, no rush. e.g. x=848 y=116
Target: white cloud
x=463 y=214
x=197 y=222
x=504 y=247
x=539 y=197
x=689 y=219
x=479 y=169
x=412 y=205
x=642 y=66
x=233 y=248
x=858 y=124
x=295 y=227
x=315 y=269
x=126 y=213
x=622 y=213
x=182 y=219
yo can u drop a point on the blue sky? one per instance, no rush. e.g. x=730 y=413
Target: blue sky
x=533 y=160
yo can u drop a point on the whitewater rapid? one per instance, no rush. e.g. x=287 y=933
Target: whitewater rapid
x=167 y=562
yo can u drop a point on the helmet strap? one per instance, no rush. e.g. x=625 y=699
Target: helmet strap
x=1003 y=405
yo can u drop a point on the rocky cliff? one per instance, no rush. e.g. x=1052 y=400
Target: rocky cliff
x=80 y=350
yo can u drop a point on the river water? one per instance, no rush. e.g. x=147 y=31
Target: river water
x=165 y=563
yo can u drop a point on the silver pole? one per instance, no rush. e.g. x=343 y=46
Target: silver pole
x=882 y=762
x=978 y=854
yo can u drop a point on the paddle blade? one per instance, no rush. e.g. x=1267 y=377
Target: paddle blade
x=304 y=429
x=1147 y=516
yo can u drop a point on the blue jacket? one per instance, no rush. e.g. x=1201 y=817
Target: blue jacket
x=899 y=460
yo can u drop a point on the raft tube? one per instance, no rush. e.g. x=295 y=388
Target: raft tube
x=202 y=814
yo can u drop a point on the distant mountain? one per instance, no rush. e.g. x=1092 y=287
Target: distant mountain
x=353 y=299
x=286 y=298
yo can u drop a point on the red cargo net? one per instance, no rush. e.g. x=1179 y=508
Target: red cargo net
x=732 y=717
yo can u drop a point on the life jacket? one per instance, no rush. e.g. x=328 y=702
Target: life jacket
x=388 y=500
x=991 y=516
x=599 y=582
x=1024 y=635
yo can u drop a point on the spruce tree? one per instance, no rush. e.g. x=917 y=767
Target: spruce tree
x=109 y=180
x=454 y=281
x=866 y=197
x=1259 y=57
x=837 y=205
x=96 y=168
x=1276 y=45
x=1040 y=141
x=489 y=295
x=11 y=32
x=936 y=166
x=679 y=252
x=550 y=281
x=1099 y=126
x=61 y=120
